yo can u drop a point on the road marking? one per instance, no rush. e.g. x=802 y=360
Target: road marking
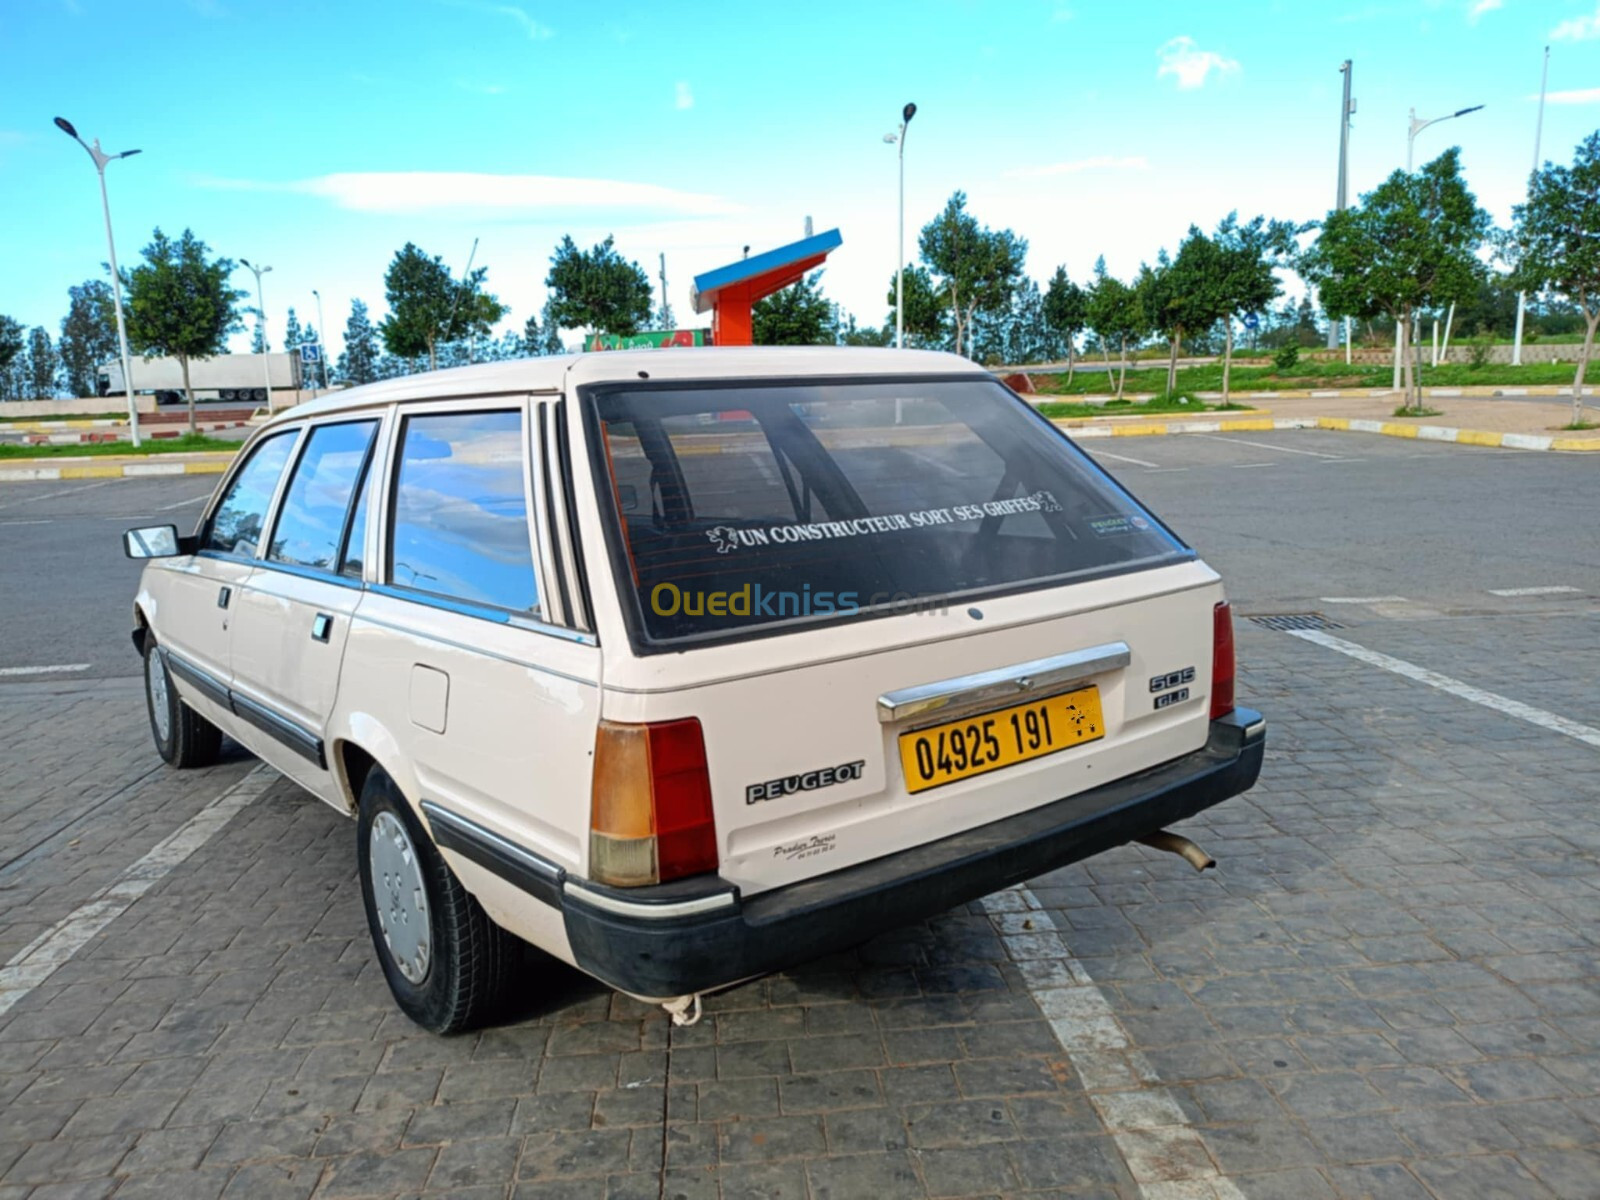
x=40 y=521
x=1557 y=590
x=40 y=958
x=1363 y=599
x=1503 y=704
x=1248 y=466
x=1138 y=462
x=1217 y=437
x=63 y=492
x=1168 y=1159
x=53 y=670
x=181 y=503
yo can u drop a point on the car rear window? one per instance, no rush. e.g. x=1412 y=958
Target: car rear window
x=752 y=508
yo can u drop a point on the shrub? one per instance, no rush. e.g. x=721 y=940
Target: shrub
x=1287 y=357
x=1478 y=351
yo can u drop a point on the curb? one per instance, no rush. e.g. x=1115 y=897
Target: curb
x=78 y=469
x=1427 y=433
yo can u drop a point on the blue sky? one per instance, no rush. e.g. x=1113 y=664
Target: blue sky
x=319 y=137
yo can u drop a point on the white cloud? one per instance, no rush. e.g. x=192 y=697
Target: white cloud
x=1577 y=96
x=1481 y=7
x=1131 y=162
x=527 y=195
x=1190 y=65
x=536 y=30
x=1578 y=29
x=685 y=97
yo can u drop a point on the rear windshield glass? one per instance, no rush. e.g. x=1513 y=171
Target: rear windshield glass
x=762 y=506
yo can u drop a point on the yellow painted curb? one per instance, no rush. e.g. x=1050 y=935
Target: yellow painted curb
x=1247 y=426
x=1333 y=423
x=1137 y=430
x=1477 y=437
x=97 y=471
x=1395 y=429
x=1570 y=443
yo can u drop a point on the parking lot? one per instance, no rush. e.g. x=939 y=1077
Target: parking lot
x=1389 y=987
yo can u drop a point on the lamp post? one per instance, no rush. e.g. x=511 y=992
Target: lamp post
x=101 y=158
x=322 y=340
x=899 y=136
x=1417 y=127
x=1346 y=108
x=261 y=307
x=1538 y=134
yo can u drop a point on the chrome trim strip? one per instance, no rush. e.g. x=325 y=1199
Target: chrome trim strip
x=1252 y=732
x=537 y=876
x=1004 y=683
x=658 y=912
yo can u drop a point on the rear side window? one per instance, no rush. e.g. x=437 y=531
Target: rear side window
x=311 y=520
x=738 y=508
x=235 y=527
x=460 y=525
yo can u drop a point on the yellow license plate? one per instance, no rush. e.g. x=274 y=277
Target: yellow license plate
x=977 y=745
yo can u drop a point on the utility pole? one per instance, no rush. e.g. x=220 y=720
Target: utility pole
x=664 y=305
x=1346 y=108
x=1538 y=133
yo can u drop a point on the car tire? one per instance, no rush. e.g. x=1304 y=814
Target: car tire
x=448 y=965
x=183 y=738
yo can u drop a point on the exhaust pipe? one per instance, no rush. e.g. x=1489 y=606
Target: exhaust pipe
x=1176 y=843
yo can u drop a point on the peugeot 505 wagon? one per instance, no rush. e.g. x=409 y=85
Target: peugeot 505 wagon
x=687 y=666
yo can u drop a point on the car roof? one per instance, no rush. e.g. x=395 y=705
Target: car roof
x=561 y=372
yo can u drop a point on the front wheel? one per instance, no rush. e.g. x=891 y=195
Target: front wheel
x=446 y=962
x=183 y=737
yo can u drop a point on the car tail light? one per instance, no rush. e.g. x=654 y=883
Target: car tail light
x=1222 y=665
x=650 y=811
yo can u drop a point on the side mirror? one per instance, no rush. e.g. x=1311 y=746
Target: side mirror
x=628 y=495
x=155 y=541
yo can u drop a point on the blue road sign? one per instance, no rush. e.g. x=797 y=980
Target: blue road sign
x=1251 y=321
x=310 y=353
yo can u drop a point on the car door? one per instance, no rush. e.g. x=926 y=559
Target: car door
x=292 y=615
x=196 y=607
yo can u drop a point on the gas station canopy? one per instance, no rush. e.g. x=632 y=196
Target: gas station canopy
x=731 y=291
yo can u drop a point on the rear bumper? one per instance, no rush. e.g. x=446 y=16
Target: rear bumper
x=699 y=934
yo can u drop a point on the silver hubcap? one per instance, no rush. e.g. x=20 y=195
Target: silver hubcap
x=399 y=897
x=159 y=704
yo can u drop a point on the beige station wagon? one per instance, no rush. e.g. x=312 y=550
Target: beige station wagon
x=686 y=666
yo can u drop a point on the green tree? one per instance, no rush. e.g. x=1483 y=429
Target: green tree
x=1245 y=278
x=551 y=344
x=1116 y=314
x=1411 y=244
x=1066 y=308
x=798 y=315
x=851 y=334
x=1555 y=240
x=88 y=336
x=429 y=307
x=596 y=289
x=258 y=334
x=1182 y=295
x=44 y=365
x=532 y=337
x=927 y=323
x=13 y=344
x=291 y=332
x=976 y=268
x=359 y=362
x=180 y=304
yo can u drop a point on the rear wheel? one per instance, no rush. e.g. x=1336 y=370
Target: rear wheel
x=447 y=963
x=183 y=737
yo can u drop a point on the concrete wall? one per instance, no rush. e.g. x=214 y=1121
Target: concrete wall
x=46 y=410
x=1532 y=352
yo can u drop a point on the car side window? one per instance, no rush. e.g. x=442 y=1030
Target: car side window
x=354 y=554
x=235 y=527
x=460 y=525
x=311 y=520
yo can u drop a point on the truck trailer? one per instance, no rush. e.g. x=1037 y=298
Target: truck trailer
x=239 y=377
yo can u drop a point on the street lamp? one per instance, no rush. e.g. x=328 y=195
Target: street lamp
x=101 y=158
x=261 y=308
x=899 y=135
x=1417 y=127
x=322 y=340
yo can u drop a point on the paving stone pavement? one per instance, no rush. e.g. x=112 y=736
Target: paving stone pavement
x=1390 y=988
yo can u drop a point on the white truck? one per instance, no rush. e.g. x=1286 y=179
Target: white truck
x=224 y=377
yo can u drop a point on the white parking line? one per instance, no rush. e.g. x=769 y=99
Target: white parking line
x=52 y=670
x=63 y=492
x=1504 y=704
x=1363 y=599
x=1138 y=462
x=182 y=503
x=40 y=958
x=1214 y=437
x=1556 y=590
x=1168 y=1159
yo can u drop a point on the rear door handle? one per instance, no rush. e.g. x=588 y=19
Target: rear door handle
x=224 y=596
x=321 y=627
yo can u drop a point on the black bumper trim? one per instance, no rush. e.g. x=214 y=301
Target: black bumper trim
x=653 y=956
x=538 y=877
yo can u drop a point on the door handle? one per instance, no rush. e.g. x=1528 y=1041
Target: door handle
x=321 y=627
x=224 y=596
